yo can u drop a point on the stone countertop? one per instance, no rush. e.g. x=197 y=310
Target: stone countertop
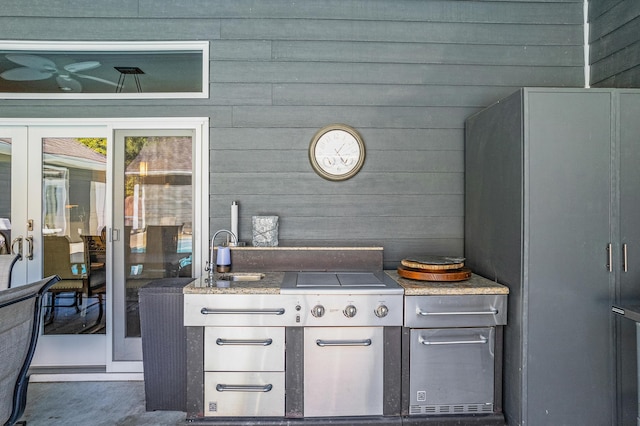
x=474 y=285
x=270 y=284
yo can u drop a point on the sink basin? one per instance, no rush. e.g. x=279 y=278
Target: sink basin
x=240 y=276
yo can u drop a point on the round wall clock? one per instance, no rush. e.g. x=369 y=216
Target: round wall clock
x=336 y=152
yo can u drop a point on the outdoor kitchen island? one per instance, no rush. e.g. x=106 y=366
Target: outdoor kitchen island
x=237 y=325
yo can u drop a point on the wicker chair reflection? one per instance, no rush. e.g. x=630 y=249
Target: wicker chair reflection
x=20 y=309
x=76 y=278
x=95 y=261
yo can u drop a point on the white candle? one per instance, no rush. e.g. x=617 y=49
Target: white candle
x=234 y=219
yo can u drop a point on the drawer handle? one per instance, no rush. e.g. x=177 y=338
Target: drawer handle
x=323 y=343
x=492 y=311
x=244 y=388
x=222 y=342
x=209 y=311
x=482 y=340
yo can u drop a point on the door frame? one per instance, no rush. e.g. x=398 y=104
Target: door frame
x=200 y=126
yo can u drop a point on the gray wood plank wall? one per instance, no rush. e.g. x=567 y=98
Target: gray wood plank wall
x=404 y=73
x=614 y=39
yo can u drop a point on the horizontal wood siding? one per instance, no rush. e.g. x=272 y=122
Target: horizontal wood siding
x=404 y=73
x=614 y=37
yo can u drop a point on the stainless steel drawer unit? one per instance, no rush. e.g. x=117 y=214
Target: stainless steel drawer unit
x=455 y=311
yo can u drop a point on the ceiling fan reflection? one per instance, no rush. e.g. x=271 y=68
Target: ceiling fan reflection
x=39 y=68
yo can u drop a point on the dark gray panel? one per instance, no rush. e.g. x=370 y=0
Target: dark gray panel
x=322 y=72
x=311 y=185
x=569 y=193
x=392 y=371
x=375 y=139
x=219 y=116
x=616 y=63
x=611 y=43
x=240 y=94
x=355 y=228
x=195 y=371
x=427 y=53
x=294 y=372
x=615 y=37
x=69 y=8
x=389 y=205
x=598 y=7
x=112 y=29
x=363 y=116
x=394 y=31
x=252 y=50
x=627 y=367
x=628 y=78
x=388 y=95
x=493 y=235
x=549 y=12
x=271 y=161
x=617 y=16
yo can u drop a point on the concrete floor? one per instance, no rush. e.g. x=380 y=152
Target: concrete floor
x=93 y=403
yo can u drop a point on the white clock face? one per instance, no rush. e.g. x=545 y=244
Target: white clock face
x=337 y=154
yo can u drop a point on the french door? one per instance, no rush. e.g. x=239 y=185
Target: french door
x=58 y=182
x=112 y=210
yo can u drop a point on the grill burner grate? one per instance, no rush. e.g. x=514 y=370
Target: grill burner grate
x=340 y=279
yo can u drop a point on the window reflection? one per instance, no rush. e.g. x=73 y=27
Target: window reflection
x=158 y=211
x=74 y=234
x=5 y=202
x=41 y=69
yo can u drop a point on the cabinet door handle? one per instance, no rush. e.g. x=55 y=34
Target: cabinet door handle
x=609 y=258
x=244 y=388
x=323 y=343
x=624 y=257
x=209 y=311
x=17 y=240
x=29 y=241
x=481 y=340
x=492 y=311
x=223 y=342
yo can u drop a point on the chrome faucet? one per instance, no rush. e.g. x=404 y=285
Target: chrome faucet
x=234 y=240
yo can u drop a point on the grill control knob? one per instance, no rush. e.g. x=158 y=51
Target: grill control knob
x=381 y=311
x=317 y=311
x=350 y=311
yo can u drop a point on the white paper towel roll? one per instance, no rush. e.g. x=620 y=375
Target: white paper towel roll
x=234 y=219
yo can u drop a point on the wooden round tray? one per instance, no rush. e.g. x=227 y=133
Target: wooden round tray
x=414 y=264
x=460 y=274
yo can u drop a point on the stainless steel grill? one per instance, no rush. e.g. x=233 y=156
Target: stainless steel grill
x=344 y=315
x=329 y=299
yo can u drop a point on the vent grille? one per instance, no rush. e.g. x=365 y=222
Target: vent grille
x=450 y=409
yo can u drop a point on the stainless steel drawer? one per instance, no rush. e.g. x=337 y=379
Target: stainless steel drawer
x=244 y=394
x=239 y=310
x=455 y=311
x=244 y=348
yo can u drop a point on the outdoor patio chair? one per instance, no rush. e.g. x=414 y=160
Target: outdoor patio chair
x=20 y=312
x=57 y=261
x=6 y=268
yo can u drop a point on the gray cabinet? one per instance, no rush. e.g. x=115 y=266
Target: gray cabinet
x=551 y=199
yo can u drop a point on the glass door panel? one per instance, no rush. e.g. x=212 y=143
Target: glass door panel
x=154 y=207
x=13 y=204
x=74 y=234
x=5 y=202
x=66 y=187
